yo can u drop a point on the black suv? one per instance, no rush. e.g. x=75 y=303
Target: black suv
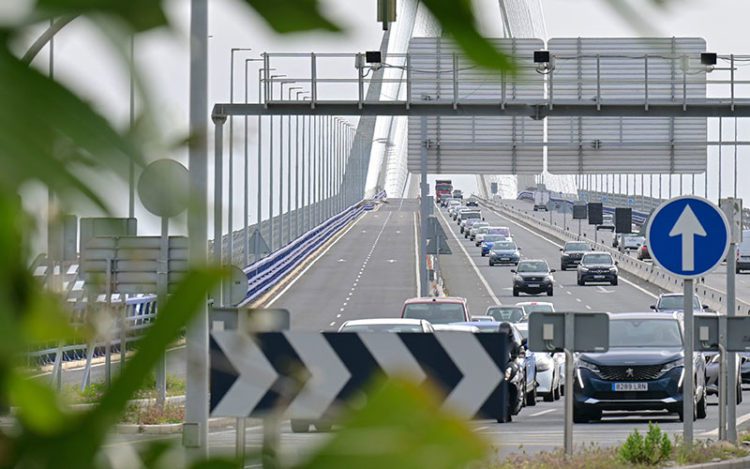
x=533 y=276
x=643 y=369
x=572 y=253
x=597 y=267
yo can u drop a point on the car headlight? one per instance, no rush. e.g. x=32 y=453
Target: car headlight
x=672 y=365
x=508 y=373
x=613 y=269
x=493 y=253
x=518 y=278
x=583 y=269
x=548 y=279
x=587 y=365
x=716 y=358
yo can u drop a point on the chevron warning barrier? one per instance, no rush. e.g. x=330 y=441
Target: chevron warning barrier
x=308 y=375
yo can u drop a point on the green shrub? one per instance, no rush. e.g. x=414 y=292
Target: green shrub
x=652 y=449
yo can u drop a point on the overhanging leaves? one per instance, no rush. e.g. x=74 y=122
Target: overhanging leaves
x=288 y=16
x=141 y=15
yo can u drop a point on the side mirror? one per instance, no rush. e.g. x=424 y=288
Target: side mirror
x=525 y=342
x=513 y=271
x=617 y=263
x=652 y=307
x=552 y=270
x=705 y=308
x=561 y=249
x=482 y=218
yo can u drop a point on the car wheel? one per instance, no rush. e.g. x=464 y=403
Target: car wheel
x=614 y=282
x=483 y=254
x=323 y=427
x=585 y=416
x=558 y=391
x=562 y=266
x=300 y=426
x=701 y=411
x=581 y=282
x=737 y=270
x=515 y=292
x=531 y=398
x=550 y=292
x=739 y=392
x=492 y=264
x=549 y=396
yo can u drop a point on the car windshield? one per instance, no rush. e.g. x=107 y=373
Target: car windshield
x=381 y=328
x=533 y=266
x=509 y=314
x=677 y=302
x=454 y=202
x=502 y=231
x=493 y=238
x=577 y=247
x=504 y=246
x=480 y=224
x=436 y=313
x=608 y=217
x=597 y=259
x=539 y=308
x=471 y=215
x=661 y=333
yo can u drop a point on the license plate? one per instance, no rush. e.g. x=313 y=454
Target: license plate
x=505 y=258
x=630 y=386
x=598 y=276
x=533 y=285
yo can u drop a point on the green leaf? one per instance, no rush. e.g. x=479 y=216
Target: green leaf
x=48 y=132
x=289 y=16
x=401 y=426
x=141 y=15
x=457 y=19
x=38 y=406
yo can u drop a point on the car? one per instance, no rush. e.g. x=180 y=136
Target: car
x=458 y=194
x=628 y=241
x=467 y=215
x=386 y=325
x=458 y=210
x=674 y=302
x=643 y=252
x=712 y=375
x=456 y=327
x=572 y=252
x=597 y=267
x=608 y=222
x=437 y=310
x=537 y=306
x=482 y=319
x=504 y=252
x=472 y=203
x=745 y=366
x=466 y=226
x=488 y=242
x=475 y=229
x=452 y=204
x=549 y=369
x=494 y=230
x=444 y=201
x=533 y=276
x=743 y=253
x=512 y=314
x=521 y=370
x=642 y=370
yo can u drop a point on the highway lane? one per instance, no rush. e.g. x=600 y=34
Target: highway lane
x=715 y=279
x=367 y=273
x=567 y=295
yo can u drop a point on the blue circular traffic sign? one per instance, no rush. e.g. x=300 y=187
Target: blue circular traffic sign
x=688 y=236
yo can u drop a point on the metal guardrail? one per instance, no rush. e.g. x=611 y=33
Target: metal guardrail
x=643 y=270
x=268 y=272
x=639 y=218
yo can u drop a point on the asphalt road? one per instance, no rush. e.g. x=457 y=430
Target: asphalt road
x=367 y=273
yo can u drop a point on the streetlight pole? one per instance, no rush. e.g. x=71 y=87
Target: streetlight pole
x=289 y=169
x=270 y=169
x=281 y=166
x=230 y=211
x=297 y=195
x=246 y=188
x=258 y=216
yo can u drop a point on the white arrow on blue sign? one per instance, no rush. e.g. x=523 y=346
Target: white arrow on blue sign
x=688 y=236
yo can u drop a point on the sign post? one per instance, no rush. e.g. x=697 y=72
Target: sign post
x=688 y=236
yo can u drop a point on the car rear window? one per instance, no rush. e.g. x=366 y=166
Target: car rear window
x=577 y=247
x=506 y=314
x=381 y=328
x=436 y=313
x=598 y=259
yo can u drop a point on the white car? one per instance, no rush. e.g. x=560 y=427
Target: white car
x=386 y=325
x=534 y=306
x=550 y=369
x=456 y=328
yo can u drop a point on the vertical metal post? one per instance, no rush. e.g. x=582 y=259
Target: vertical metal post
x=219 y=122
x=569 y=372
x=734 y=194
x=230 y=176
x=318 y=161
x=289 y=175
x=259 y=202
x=162 y=288
x=688 y=384
x=246 y=187
x=423 y=209
x=131 y=163
x=721 y=137
x=281 y=174
x=297 y=209
x=730 y=208
x=108 y=343
x=722 y=382
x=195 y=432
x=309 y=205
x=270 y=180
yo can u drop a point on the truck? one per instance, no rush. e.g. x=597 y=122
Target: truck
x=443 y=188
x=541 y=199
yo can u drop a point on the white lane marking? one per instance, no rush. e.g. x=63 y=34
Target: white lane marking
x=604 y=290
x=637 y=287
x=715 y=432
x=333 y=323
x=569 y=293
x=304 y=271
x=416 y=256
x=548 y=411
x=338 y=315
x=587 y=306
x=471 y=261
x=578 y=300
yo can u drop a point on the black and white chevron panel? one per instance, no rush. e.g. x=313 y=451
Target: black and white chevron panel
x=307 y=375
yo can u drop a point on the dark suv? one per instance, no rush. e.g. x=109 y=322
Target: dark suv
x=533 y=276
x=597 y=267
x=643 y=369
x=572 y=253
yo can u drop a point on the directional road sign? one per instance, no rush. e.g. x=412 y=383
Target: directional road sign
x=688 y=236
x=306 y=375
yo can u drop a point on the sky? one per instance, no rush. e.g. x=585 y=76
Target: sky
x=85 y=61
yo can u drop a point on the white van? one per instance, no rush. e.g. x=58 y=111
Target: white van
x=743 y=252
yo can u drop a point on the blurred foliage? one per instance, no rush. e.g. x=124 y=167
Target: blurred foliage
x=49 y=134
